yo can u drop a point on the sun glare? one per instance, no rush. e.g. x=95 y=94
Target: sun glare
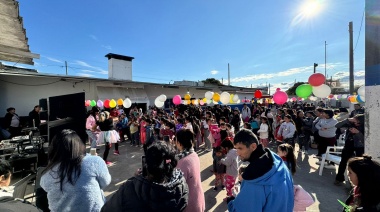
x=310 y=8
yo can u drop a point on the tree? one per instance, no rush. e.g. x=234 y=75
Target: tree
x=212 y=81
x=292 y=90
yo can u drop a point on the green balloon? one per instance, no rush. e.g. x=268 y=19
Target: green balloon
x=304 y=90
x=92 y=103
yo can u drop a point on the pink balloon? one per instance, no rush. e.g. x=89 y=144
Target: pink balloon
x=201 y=102
x=280 y=97
x=278 y=89
x=177 y=100
x=294 y=99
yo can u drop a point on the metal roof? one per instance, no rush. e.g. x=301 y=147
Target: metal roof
x=13 y=41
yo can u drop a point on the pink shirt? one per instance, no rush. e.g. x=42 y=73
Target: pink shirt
x=90 y=122
x=190 y=166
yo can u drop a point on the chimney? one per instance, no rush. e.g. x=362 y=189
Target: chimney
x=119 y=67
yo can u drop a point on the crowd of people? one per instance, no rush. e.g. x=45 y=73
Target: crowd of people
x=243 y=162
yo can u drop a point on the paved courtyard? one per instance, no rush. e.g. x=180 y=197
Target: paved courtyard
x=324 y=192
x=321 y=188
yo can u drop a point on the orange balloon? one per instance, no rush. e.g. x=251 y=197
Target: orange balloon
x=120 y=102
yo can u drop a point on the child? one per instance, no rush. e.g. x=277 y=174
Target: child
x=230 y=130
x=223 y=131
x=108 y=135
x=231 y=162
x=134 y=128
x=218 y=168
x=286 y=152
x=240 y=179
x=263 y=131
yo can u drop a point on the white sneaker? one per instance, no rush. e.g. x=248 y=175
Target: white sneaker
x=329 y=166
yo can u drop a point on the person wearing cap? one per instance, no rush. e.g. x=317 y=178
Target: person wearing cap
x=12 y=122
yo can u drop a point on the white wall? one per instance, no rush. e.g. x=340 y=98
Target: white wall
x=119 y=69
x=24 y=98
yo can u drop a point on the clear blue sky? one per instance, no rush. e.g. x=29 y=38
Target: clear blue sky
x=264 y=41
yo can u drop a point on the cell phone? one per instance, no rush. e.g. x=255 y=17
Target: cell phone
x=166 y=138
x=143 y=166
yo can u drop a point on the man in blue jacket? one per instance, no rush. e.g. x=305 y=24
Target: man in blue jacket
x=267 y=184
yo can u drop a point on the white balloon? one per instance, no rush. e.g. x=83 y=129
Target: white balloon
x=362 y=98
x=162 y=98
x=321 y=91
x=361 y=91
x=238 y=101
x=225 y=97
x=184 y=102
x=127 y=103
x=196 y=102
x=209 y=94
x=235 y=98
x=158 y=102
x=344 y=96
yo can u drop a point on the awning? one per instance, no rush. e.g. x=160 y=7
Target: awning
x=135 y=95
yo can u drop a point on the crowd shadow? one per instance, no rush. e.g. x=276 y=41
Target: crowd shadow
x=322 y=187
x=210 y=199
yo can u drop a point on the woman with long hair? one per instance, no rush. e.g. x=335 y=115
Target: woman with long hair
x=73 y=180
x=364 y=174
x=189 y=164
x=159 y=187
x=287 y=130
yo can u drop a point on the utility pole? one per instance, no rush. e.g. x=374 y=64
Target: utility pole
x=228 y=74
x=350 y=26
x=315 y=66
x=66 y=66
x=325 y=60
x=269 y=89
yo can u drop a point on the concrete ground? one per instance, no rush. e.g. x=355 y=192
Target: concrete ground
x=324 y=192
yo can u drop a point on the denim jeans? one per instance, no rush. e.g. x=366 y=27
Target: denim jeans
x=92 y=137
x=135 y=138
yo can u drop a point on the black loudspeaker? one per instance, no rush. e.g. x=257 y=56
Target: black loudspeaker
x=43 y=104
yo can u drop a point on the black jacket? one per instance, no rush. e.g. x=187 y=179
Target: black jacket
x=260 y=163
x=33 y=115
x=139 y=194
x=10 y=204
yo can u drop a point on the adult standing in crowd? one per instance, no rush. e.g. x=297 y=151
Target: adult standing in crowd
x=73 y=180
x=266 y=172
x=236 y=120
x=357 y=110
x=353 y=145
x=189 y=164
x=34 y=117
x=12 y=122
x=326 y=129
x=245 y=113
x=163 y=188
x=317 y=138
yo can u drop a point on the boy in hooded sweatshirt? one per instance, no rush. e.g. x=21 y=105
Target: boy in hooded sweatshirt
x=266 y=178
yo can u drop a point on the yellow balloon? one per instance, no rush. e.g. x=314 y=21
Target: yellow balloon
x=216 y=97
x=193 y=102
x=120 y=102
x=112 y=103
x=205 y=100
x=188 y=102
x=231 y=98
x=187 y=97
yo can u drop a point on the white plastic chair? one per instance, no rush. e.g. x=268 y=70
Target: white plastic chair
x=332 y=154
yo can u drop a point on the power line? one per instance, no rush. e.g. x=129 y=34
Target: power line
x=361 y=24
x=30 y=85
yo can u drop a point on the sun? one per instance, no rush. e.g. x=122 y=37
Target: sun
x=310 y=8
